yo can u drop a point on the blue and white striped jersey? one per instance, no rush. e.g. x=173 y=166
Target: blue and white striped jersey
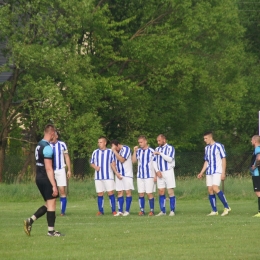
x=213 y=155
x=103 y=159
x=59 y=148
x=126 y=168
x=166 y=160
x=145 y=159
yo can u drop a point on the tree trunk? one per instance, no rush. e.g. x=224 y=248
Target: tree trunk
x=2 y=159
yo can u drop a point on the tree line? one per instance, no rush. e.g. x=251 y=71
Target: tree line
x=125 y=68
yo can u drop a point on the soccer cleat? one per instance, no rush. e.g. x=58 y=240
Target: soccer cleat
x=213 y=213
x=225 y=212
x=126 y=213
x=99 y=213
x=27 y=227
x=62 y=214
x=55 y=234
x=161 y=214
x=151 y=213
x=114 y=213
x=141 y=213
x=172 y=214
x=257 y=215
x=118 y=214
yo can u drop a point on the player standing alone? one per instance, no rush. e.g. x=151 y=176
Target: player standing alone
x=215 y=167
x=255 y=169
x=60 y=152
x=46 y=183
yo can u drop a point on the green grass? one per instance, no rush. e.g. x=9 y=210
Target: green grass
x=188 y=235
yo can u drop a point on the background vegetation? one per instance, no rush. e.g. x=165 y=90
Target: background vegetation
x=125 y=68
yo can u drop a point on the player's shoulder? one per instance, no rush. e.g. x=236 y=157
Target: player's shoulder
x=151 y=149
x=220 y=145
x=61 y=142
x=95 y=151
x=44 y=143
x=257 y=150
x=170 y=146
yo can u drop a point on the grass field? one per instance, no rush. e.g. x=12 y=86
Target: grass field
x=188 y=235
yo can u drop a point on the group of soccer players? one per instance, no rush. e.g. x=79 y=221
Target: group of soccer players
x=114 y=171
x=153 y=165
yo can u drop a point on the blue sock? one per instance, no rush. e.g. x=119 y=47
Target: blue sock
x=212 y=200
x=172 y=203
x=151 y=202
x=128 y=201
x=162 y=203
x=63 y=204
x=120 y=201
x=112 y=202
x=223 y=199
x=101 y=204
x=141 y=203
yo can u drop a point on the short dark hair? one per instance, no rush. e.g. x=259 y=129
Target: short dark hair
x=142 y=137
x=115 y=142
x=103 y=137
x=49 y=127
x=162 y=136
x=208 y=133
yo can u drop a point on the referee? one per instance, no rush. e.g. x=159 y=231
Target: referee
x=61 y=160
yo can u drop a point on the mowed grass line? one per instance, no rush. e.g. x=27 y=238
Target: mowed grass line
x=188 y=235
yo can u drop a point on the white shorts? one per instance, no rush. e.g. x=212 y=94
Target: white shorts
x=104 y=185
x=60 y=177
x=213 y=179
x=125 y=184
x=167 y=180
x=145 y=185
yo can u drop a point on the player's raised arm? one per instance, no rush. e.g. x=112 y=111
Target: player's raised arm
x=118 y=156
x=134 y=160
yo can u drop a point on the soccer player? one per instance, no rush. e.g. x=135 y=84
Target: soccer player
x=61 y=159
x=101 y=161
x=123 y=169
x=255 y=169
x=164 y=163
x=46 y=183
x=145 y=174
x=215 y=167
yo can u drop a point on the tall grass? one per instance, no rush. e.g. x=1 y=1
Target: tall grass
x=187 y=188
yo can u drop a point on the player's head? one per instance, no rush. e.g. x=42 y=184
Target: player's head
x=49 y=132
x=208 y=137
x=116 y=144
x=161 y=140
x=255 y=141
x=55 y=137
x=142 y=141
x=102 y=142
